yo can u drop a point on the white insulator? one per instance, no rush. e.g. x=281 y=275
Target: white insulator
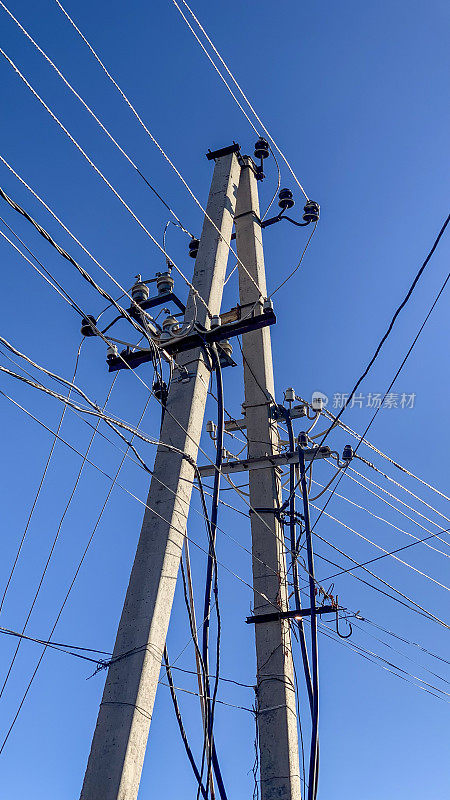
x=164 y=282
x=169 y=322
x=289 y=395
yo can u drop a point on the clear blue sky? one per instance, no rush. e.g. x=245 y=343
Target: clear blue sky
x=355 y=94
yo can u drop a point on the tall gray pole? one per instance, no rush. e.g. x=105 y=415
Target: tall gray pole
x=118 y=747
x=277 y=719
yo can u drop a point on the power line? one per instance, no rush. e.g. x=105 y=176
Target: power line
x=237 y=86
x=39 y=489
x=86 y=106
x=391 y=524
x=393 y=497
x=291 y=274
x=138 y=498
x=149 y=134
x=112 y=484
x=385 y=554
x=71 y=260
x=404 y=359
x=53 y=545
x=388 y=458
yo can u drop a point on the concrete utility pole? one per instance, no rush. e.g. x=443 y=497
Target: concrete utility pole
x=277 y=718
x=118 y=747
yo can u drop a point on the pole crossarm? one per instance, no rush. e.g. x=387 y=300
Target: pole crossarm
x=262 y=462
x=181 y=344
x=295 y=613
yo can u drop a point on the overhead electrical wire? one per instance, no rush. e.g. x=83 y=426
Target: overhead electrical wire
x=53 y=544
x=123 y=312
x=141 y=464
x=237 y=86
x=113 y=482
x=98 y=121
x=97 y=412
x=393 y=497
x=379 y=347
x=105 y=180
x=297 y=267
x=40 y=486
x=387 y=522
x=146 y=439
x=118 y=484
x=385 y=554
x=388 y=458
x=383 y=663
x=411 y=604
x=45 y=274
x=111 y=187
x=138 y=376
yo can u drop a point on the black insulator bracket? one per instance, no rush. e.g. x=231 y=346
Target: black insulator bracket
x=194 y=339
x=211 y=155
x=296 y=613
x=160 y=300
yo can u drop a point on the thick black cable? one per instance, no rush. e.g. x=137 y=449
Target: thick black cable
x=380 y=345
x=72 y=261
x=392 y=322
x=314 y=750
x=181 y=726
x=408 y=353
x=211 y=584
x=390 y=553
x=294 y=561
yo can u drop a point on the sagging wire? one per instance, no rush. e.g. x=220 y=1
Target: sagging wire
x=294 y=557
x=161 y=150
x=98 y=121
x=212 y=584
x=114 y=481
x=181 y=726
x=41 y=483
x=314 y=748
x=53 y=545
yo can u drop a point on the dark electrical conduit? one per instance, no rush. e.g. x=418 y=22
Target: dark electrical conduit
x=314 y=750
x=294 y=563
x=211 y=571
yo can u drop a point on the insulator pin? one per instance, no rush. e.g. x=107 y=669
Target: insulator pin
x=347 y=453
x=139 y=291
x=285 y=199
x=164 y=282
x=193 y=247
x=289 y=395
x=86 y=326
x=262 y=148
x=311 y=211
x=302 y=439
